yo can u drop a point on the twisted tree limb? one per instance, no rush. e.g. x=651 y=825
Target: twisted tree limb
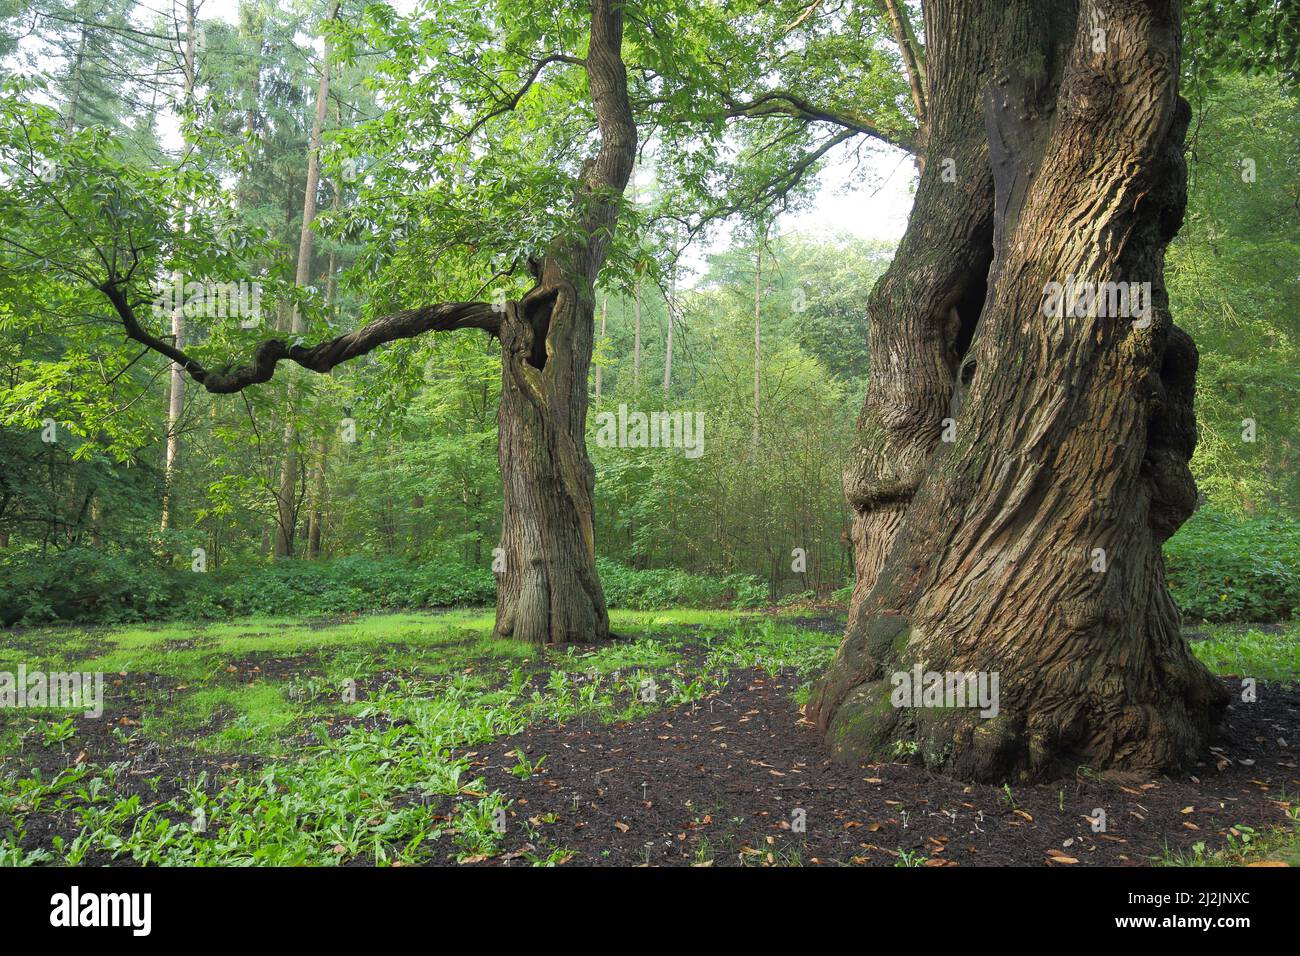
x=322 y=357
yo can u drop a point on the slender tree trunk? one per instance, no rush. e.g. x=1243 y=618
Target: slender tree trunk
x=636 y=335
x=548 y=590
x=305 y=235
x=251 y=34
x=668 y=353
x=74 y=530
x=96 y=523
x=758 y=333
x=286 y=495
x=604 y=316
x=74 y=95
x=672 y=314
x=175 y=409
x=636 y=312
x=290 y=466
x=316 y=516
x=315 y=520
x=1016 y=473
x=175 y=374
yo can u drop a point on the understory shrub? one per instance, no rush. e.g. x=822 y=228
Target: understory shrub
x=341 y=585
x=85 y=586
x=81 y=584
x=669 y=587
x=1222 y=568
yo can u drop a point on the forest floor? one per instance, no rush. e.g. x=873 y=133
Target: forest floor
x=407 y=739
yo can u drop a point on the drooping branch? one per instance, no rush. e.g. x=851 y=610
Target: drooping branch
x=808 y=11
x=512 y=103
x=767 y=195
x=784 y=103
x=604 y=179
x=913 y=58
x=323 y=357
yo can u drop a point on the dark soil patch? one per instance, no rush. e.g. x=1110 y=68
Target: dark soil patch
x=264 y=665
x=155 y=772
x=722 y=780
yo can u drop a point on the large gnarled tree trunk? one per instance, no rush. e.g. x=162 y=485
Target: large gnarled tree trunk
x=547 y=588
x=1027 y=545
x=548 y=591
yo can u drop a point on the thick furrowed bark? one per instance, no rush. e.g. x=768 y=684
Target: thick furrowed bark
x=549 y=591
x=1072 y=440
x=923 y=311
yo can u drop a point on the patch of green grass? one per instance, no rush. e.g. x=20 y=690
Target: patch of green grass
x=389 y=788
x=622 y=621
x=1268 y=656
x=183 y=649
x=1278 y=845
x=229 y=719
x=435 y=683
